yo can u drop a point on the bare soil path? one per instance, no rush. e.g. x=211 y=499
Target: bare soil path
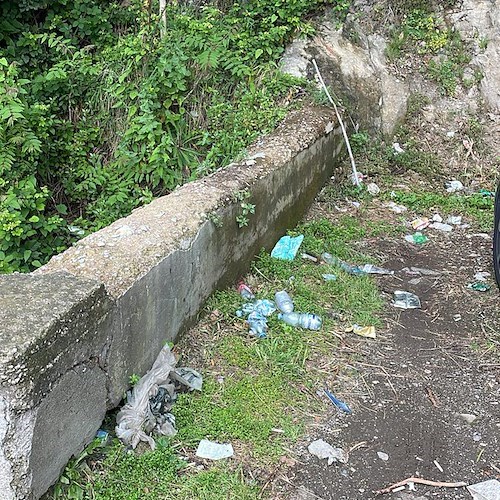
x=416 y=380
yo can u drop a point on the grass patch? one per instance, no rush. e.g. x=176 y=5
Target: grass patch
x=478 y=207
x=251 y=387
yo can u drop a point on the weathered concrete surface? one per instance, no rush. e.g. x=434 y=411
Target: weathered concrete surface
x=51 y=335
x=79 y=326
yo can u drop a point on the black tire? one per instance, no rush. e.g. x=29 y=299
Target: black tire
x=496 y=238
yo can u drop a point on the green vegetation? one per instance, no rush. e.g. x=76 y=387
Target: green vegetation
x=102 y=108
x=475 y=206
x=442 y=48
x=255 y=391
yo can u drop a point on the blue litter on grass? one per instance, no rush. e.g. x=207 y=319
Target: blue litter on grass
x=287 y=247
x=339 y=404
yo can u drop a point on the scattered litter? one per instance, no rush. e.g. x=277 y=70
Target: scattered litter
x=287 y=247
x=396 y=147
x=364 y=331
x=436 y=463
x=357 y=178
x=214 y=451
x=437 y=218
x=486 y=193
x=78 y=231
x=257 y=324
x=476 y=437
x=304 y=320
x=468 y=417
x=450 y=134
x=457 y=317
x=411 y=487
x=322 y=450
x=419 y=480
x=399 y=209
x=355 y=204
x=306 y=256
x=487 y=490
x=482 y=276
x=149 y=402
x=406 y=300
x=417 y=238
x=264 y=307
x=102 y=435
x=373 y=189
x=337 y=402
x=421 y=270
x=383 y=456
x=283 y=301
x=348 y=268
x=420 y=223
x=415 y=281
x=440 y=226
x=454 y=186
x=401 y=488
x=454 y=220
x=479 y=286
x=250 y=162
x=245 y=291
x=329 y=277
x=257 y=155
x=371 y=269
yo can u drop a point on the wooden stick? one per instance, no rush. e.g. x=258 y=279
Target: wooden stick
x=419 y=480
x=342 y=126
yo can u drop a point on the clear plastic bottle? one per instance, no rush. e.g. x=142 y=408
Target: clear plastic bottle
x=304 y=320
x=257 y=324
x=283 y=301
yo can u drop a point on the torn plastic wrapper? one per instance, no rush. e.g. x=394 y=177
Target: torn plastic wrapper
x=322 y=450
x=149 y=402
x=214 y=451
x=406 y=300
x=364 y=331
x=287 y=247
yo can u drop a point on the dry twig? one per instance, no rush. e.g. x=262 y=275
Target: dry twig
x=419 y=480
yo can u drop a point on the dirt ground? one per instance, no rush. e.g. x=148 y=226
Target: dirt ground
x=425 y=369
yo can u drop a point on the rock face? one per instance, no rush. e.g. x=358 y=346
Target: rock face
x=357 y=73
x=481 y=18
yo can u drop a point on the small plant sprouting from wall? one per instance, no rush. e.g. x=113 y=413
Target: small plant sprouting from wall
x=246 y=208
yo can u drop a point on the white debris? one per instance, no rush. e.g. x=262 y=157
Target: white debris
x=373 y=189
x=399 y=209
x=322 y=449
x=487 y=490
x=437 y=218
x=214 y=451
x=468 y=417
x=397 y=148
x=454 y=220
x=454 y=186
x=441 y=227
x=383 y=456
x=482 y=276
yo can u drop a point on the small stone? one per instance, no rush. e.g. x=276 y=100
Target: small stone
x=383 y=456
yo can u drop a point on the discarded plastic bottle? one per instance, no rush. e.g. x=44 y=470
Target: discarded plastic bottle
x=245 y=292
x=283 y=301
x=348 y=268
x=305 y=320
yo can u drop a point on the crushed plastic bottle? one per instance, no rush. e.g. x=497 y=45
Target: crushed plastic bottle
x=304 y=320
x=257 y=324
x=283 y=301
x=348 y=268
x=371 y=269
x=245 y=292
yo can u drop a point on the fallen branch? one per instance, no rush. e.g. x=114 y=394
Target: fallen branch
x=419 y=480
x=342 y=126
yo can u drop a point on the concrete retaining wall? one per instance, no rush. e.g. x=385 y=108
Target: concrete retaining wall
x=73 y=332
